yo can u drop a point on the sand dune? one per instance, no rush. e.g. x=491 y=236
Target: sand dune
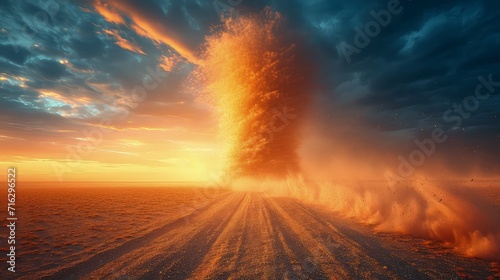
x=248 y=235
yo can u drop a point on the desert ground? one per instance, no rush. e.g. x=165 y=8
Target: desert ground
x=189 y=233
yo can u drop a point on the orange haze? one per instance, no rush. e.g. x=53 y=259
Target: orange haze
x=252 y=73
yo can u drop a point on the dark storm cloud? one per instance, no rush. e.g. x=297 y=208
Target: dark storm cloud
x=427 y=59
x=49 y=69
x=403 y=62
x=14 y=53
x=88 y=47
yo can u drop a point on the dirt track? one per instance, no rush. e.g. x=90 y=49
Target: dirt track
x=252 y=236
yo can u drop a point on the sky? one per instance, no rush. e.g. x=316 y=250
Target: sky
x=99 y=90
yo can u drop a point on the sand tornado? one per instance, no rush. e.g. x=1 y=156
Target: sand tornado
x=253 y=73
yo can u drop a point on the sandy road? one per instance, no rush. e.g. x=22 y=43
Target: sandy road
x=252 y=236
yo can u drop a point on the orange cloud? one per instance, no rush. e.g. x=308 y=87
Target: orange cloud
x=137 y=29
x=108 y=14
x=159 y=33
x=169 y=63
x=124 y=43
x=145 y=26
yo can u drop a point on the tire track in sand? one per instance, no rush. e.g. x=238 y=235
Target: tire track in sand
x=253 y=236
x=95 y=262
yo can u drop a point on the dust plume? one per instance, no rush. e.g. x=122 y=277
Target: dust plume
x=353 y=169
x=440 y=210
x=253 y=72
